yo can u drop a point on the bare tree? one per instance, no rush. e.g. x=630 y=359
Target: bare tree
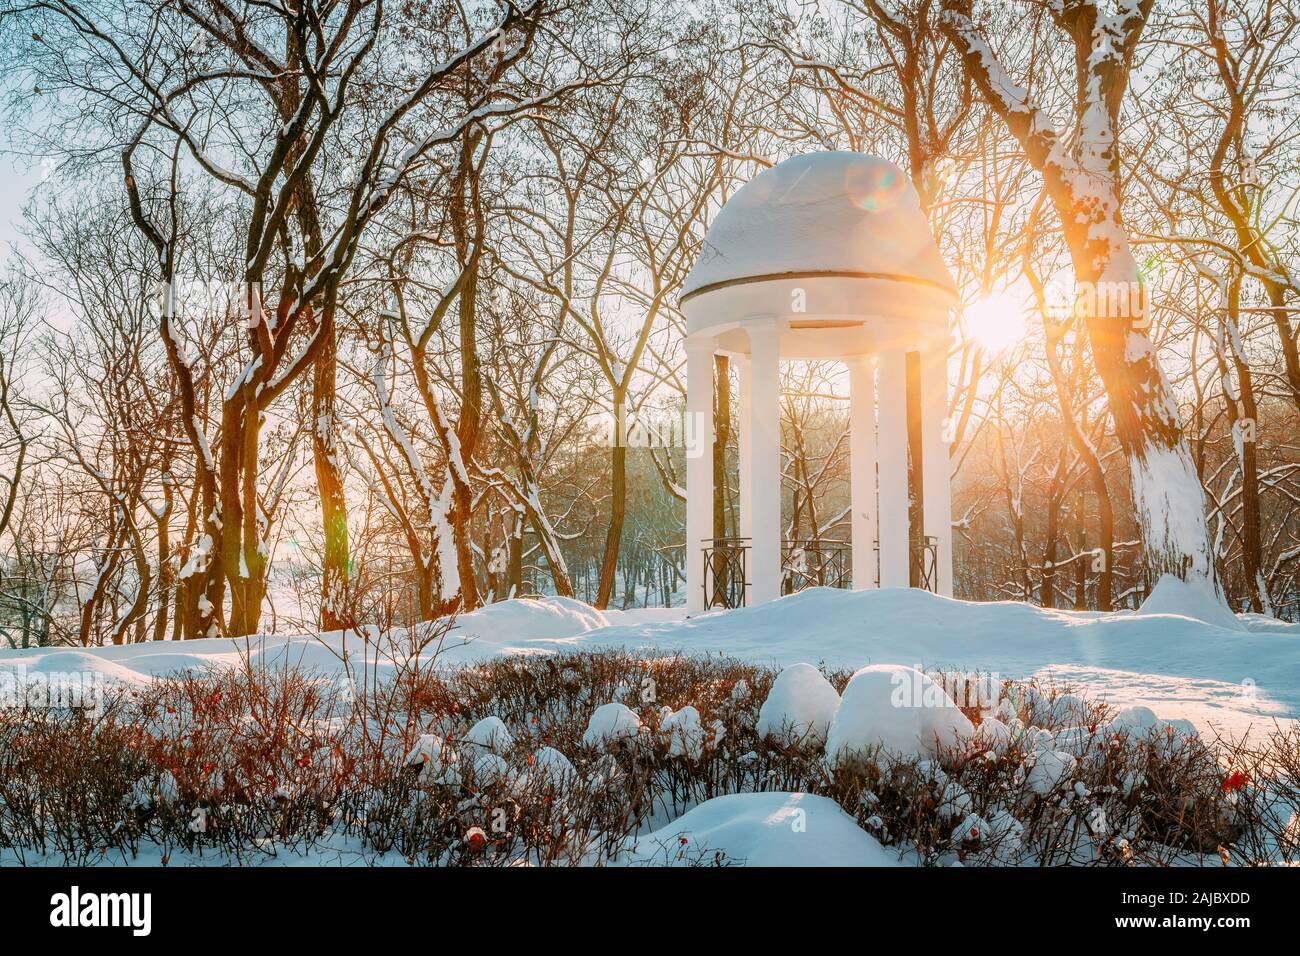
x=1082 y=176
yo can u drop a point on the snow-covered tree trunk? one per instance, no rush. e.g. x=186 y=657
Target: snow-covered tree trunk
x=1072 y=389
x=429 y=535
x=524 y=493
x=1083 y=180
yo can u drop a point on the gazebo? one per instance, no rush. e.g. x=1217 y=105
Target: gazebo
x=824 y=256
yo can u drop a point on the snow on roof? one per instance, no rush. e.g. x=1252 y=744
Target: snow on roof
x=833 y=211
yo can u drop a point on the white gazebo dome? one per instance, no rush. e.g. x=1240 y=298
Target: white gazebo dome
x=833 y=241
x=825 y=256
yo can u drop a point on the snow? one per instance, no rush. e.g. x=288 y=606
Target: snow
x=827 y=211
x=437 y=761
x=685 y=733
x=1166 y=660
x=1050 y=770
x=1174 y=663
x=490 y=734
x=898 y=709
x=1190 y=599
x=1135 y=719
x=799 y=707
x=992 y=735
x=551 y=766
x=763 y=829
x=1179 y=666
x=610 y=724
x=1142 y=721
x=490 y=769
x=1170 y=502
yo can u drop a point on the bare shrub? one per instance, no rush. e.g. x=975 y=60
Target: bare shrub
x=247 y=763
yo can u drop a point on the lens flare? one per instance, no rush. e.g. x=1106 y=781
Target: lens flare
x=995 y=321
x=877 y=187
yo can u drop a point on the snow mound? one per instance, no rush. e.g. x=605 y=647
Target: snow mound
x=491 y=734
x=764 y=829
x=1141 y=721
x=896 y=708
x=684 y=732
x=60 y=664
x=992 y=735
x=437 y=761
x=523 y=620
x=553 y=769
x=799 y=707
x=610 y=724
x=1135 y=720
x=1189 y=599
x=1051 y=769
x=490 y=770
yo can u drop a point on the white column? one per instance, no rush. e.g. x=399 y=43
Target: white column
x=862 y=469
x=744 y=440
x=699 y=465
x=765 y=459
x=934 y=458
x=892 y=429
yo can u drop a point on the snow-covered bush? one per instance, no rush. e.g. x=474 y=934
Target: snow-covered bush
x=799 y=707
x=684 y=731
x=897 y=709
x=992 y=735
x=610 y=725
x=1049 y=770
x=487 y=766
x=491 y=734
x=436 y=760
x=551 y=769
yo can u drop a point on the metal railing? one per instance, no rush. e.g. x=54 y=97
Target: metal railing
x=925 y=563
x=815 y=563
x=805 y=563
x=726 y=567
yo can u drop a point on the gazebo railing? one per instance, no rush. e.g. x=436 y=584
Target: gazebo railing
x=812 y=563
x=925 y=563
x=805 y=563
x=726 y=567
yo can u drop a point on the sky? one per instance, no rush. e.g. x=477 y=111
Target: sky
x=17 y=178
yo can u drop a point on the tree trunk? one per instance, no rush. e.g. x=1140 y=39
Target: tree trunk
x=617 y=512
x=1082 y=179
x=336 y=565
x=1244 y=424
x=166 y=572
x=915 y=471
x=1047 y=590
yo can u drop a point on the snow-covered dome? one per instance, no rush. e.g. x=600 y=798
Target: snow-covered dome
x=823 y=212
x=826 y=239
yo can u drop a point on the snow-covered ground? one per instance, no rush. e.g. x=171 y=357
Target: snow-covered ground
x=1181 y=657
x=1223 y=676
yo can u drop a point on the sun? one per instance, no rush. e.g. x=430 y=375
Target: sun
x=995 y=321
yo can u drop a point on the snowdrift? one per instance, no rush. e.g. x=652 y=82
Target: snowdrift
x=1184 y=599
x=1229 y=672
x=763 y=829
